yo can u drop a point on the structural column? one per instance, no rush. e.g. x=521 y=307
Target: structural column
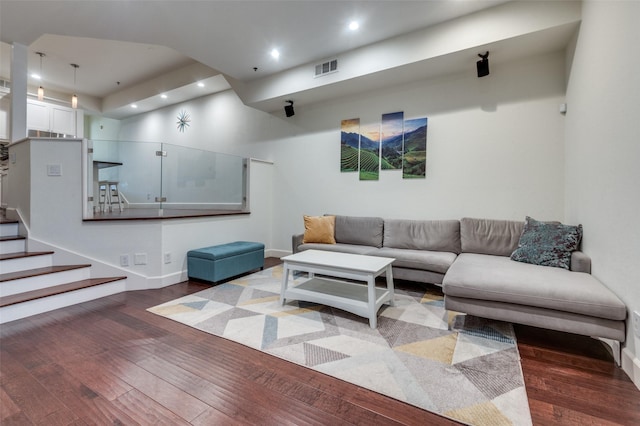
x=18 y=124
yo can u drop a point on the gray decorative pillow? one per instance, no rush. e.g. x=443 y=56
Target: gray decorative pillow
x=547 y=244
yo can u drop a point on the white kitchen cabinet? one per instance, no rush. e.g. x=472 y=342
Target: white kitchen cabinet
x=38 y=116
x=63 y=120
x=55 y=119
x=5 y=111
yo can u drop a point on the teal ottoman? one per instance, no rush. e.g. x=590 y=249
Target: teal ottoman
x=217 y=263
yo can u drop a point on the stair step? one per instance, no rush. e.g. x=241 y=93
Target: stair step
x=41 y=277
x=39 y=271
x=30 y=284
x=12 y=244
x=8 y=227
x=54 y=290
x=11 y=237
x=22 y=254
x=19 y=261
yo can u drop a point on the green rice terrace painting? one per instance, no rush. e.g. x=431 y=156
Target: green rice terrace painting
x=349 y=145
x=414 y=162
x=391 y=141
x=392 y=144
x=370 y=152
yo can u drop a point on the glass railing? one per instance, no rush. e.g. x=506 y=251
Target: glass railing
x=161 y=179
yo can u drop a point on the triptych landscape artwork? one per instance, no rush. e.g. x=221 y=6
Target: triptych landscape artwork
x=392 y=144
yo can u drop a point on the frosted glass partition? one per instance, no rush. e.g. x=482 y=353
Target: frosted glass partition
x=161 y=176
x=197 y=178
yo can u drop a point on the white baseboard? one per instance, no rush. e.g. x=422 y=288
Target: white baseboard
x=276 y=253
x=631 y=366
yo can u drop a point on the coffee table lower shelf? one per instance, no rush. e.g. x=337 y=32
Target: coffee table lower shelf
x=351 y=297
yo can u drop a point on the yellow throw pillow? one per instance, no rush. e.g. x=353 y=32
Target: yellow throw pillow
x=319 y=229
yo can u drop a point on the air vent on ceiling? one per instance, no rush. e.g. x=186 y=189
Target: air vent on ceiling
x=326 y=67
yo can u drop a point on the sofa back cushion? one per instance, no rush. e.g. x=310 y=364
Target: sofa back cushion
x=490 y=236
x=435 y=235
x=366 y=231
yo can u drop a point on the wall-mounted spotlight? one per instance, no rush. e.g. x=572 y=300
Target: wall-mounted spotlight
x=288 y=109
x=483 y=64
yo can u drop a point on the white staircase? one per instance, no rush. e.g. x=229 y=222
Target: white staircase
x=31 y=284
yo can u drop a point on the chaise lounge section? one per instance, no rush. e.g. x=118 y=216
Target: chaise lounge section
x=485 y=282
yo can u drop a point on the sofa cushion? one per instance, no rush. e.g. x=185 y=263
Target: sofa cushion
x=338 y=247
x=490 y=236
x=436 y=235
x=319 y=229
x=547 y=244
x=498 y=278
x=366 y=231
x=436 y=261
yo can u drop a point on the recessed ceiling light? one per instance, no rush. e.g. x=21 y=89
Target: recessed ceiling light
x=201 y=84
x=134 y=106
x=36 y=76
x=354 y=25
x=275 y=54
x=163 y=96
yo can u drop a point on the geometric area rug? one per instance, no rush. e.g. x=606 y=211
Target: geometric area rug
x=462 y=367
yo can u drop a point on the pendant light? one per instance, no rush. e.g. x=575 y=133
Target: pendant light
x=40 y=89
x=74 y=98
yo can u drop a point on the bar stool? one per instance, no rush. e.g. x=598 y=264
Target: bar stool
x=108 y=195
x=114 y=195
x=104 y=203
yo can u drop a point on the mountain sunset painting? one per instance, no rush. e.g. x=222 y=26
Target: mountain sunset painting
x=349 y=145
x=414 y=163
x=392 y=140
x=370 y=152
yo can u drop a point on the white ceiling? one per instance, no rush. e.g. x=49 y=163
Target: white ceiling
x=136 y=42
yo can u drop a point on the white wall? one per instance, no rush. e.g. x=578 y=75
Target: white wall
x=494 y=149
x=101 y=128
x=56 y=221
x=56 y=215
x=603 y=149
x=181 y=236
x=19 y=179
x=220 y=123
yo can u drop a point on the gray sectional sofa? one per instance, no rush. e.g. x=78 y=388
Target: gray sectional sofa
x=470 y=259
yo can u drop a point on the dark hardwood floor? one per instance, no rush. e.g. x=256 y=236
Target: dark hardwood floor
x=109 y=361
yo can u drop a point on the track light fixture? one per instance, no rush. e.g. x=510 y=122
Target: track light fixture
x=483 y=65
x=288 y=109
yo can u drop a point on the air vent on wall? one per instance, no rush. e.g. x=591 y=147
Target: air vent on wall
x=326 y=67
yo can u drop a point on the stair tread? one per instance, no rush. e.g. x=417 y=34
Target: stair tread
x=5 y=220
x=21 y=254
x=53 y=290
x=12 y=238
x=39 y=271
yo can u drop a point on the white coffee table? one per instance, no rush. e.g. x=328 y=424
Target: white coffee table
x=359 y=299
